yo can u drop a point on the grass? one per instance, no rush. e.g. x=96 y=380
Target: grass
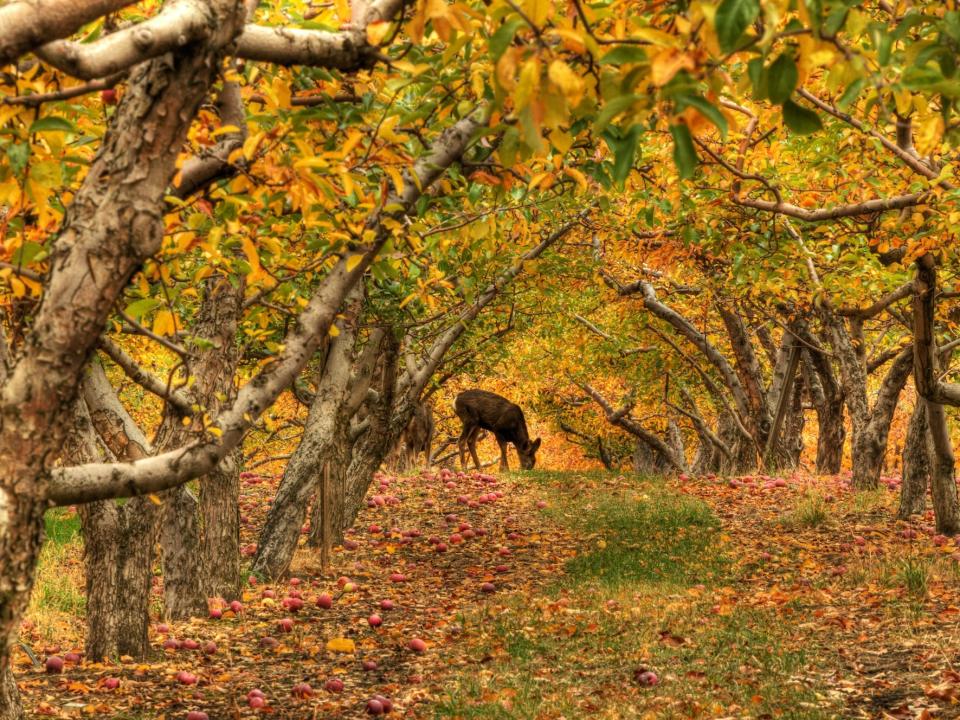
x=645 y=591
x=810 y=512
x=915 y=576
x=58 y=598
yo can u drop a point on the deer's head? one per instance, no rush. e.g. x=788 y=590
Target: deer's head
x=528 y=454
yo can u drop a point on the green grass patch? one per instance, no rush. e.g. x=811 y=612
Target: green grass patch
x=653 y=537
x=810 y=512
x=648 y=589
x=62 y=526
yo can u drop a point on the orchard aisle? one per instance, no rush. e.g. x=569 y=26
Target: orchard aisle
x=387 y=622
x=567 y=595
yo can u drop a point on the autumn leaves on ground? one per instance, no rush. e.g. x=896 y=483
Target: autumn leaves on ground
x=548 y=595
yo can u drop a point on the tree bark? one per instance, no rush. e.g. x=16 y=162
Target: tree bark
x=324 y=440
x=918 y=454
x=118 y=538
x=200 y=534
x=943 y=479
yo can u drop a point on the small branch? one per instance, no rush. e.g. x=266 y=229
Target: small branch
x=145 y=379
x=37 y=99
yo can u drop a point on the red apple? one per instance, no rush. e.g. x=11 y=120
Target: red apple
x=375 y=620
x=108 y=96
x=285 y=625
x=325 y=601
x=333 y=685
x=186 y=678
x=197 y=715
x=374 y=707
x=111 y=683
x=54 y=665
x=216 y=614
x=386 y=604
x=302 y=690
x=417 y=645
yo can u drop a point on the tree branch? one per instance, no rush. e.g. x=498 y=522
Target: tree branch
x=144 y=378
x=177 y=25
x=28 y=24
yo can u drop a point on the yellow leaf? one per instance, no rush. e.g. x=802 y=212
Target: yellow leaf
x=341 y=645
x=668 y=63
x=155 y=499
x=343 y=10
x=397 y=179
x=353 y=261
x=567 y=81
x=377 y=31
x=333 y=331
x=578 y=176
x=538 y=179
x=539 y=11
x=225 y=130
x=528 y=84
x=164 y=323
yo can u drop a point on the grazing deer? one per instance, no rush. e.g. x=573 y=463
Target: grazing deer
x=417 y=437
x=481 y=410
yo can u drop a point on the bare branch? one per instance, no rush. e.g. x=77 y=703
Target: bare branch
x=144 y=378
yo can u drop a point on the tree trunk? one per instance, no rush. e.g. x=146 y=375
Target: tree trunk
x=118 y=538
x=118 y=556
x=918 y=456
x=198 y=564
x=943 y=480
x=10 y=707
x=325 y=440
x=831 y=434
x=184 y=575
x=220 y=513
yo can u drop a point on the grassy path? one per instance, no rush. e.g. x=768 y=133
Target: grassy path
x=797 y=599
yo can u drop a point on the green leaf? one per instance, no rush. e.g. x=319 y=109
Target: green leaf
x=709 y=111
x=781 y=79
x=624 y=153
x=684 y=154
x=623 y=55
x=138 y=308
x=799 y=119
x=613 y=108
x=851 y=93
x=52 y=124
x=502 y=38
x=732 y=19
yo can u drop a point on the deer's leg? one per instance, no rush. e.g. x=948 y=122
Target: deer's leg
x=504 y=465
x=462 y=444
x=472 y=443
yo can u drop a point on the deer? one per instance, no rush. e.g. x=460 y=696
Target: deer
x=417 y=436
x=482 y=410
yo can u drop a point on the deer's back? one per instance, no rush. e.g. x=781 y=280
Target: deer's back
x=489 y=410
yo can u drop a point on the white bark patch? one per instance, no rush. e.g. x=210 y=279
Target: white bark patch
x=4 y=511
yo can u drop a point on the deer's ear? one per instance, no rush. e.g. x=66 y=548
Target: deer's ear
x=535 y=445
